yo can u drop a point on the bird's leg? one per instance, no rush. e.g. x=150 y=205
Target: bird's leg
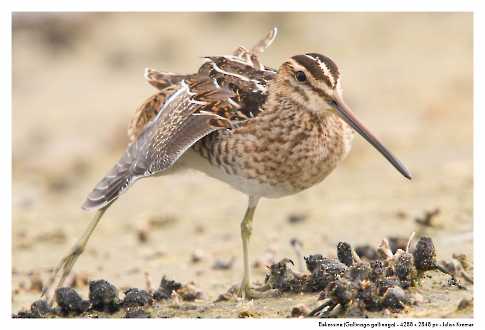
x=246 y=291
x=67 y=263
x=246 y=230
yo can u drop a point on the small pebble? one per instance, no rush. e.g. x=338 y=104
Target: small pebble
x=464 y=303
x=158 y=222
x=199 y=229
x=40 y=308
x=103 y=296
x=190 y=293
x=142 y=234
x=313 y=261
x=136 y=297
x=300 y=310
x=297 y=218
x=69 y=301
x=405 y=269
x=223 y=265
x=166 y=288
x=344 y=253
x=197 y=256
x=323 y=271
x=282 y=277
x=226 y=296
x=394 y=298
x=424 y=254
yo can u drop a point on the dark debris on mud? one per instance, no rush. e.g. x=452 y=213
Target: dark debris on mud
x=350 y=285
x=104 y=297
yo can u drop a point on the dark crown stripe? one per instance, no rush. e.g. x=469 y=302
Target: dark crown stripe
x=313 y=68
x=327 y=61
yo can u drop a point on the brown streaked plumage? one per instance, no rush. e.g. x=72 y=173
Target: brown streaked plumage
x=267 y=133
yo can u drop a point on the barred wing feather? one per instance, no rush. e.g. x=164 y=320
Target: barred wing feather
x=178 y=125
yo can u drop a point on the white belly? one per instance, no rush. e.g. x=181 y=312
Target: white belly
x=250 y=187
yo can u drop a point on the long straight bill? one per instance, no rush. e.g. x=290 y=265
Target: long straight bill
x=346 y=114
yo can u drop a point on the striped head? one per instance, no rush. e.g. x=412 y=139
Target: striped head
x=313 y=81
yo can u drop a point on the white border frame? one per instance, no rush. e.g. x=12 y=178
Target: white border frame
x=221 y=5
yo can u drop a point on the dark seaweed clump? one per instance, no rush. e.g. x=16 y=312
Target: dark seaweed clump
x=344 y=253
x=425 y=254
x=39 y=309
x=69 y=301
x=104 y=297
x=137 y=297
x=281 y=277
x=348 y=285
x=351 y=285
x=166 y=288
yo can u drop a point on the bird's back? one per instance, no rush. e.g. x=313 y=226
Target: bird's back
x=248 y=83
x=233 y=128
x=226 y=92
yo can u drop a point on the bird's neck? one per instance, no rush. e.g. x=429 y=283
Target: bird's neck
x=281 y=103
x=323 y=125
x=281 y=95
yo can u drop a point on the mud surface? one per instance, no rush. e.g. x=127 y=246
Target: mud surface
x=78 y=78
x=348 y=286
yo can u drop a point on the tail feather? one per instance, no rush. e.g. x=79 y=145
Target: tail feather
x=117 y=180
x=107 y=190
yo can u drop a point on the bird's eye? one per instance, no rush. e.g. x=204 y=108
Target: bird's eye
x=300 y=76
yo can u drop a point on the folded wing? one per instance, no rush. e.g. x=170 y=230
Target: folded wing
x=176 y=127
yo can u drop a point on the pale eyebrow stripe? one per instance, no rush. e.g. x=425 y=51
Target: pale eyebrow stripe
x=313 y=67
x=326 y=71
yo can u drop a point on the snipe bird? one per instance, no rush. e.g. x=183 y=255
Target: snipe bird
x=266 y=132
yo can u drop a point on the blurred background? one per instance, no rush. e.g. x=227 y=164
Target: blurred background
x=78 y=78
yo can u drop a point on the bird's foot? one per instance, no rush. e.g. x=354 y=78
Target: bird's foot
x=64 y=268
